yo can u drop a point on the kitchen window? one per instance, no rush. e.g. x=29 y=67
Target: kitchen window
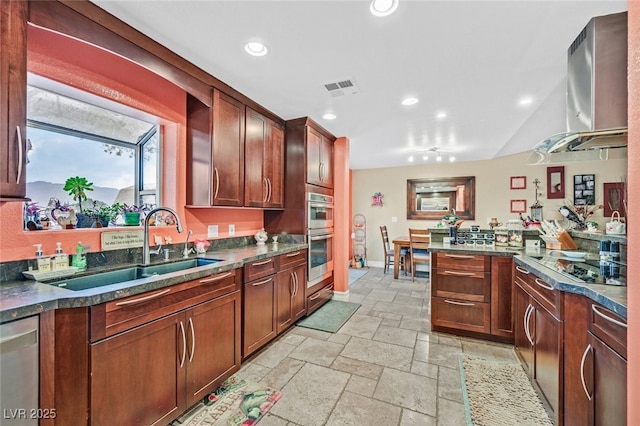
x=72 y=133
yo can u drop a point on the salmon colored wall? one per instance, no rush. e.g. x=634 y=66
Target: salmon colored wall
x=633 y=227
x=104 y=74
x=342 y=218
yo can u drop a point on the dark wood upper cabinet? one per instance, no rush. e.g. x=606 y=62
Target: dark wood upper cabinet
x=264 y=162
x=319 y=159
x=215 y=150
x=13 y=95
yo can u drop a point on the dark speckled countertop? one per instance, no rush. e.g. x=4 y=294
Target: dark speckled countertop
x=610 y=296
x=19 y=299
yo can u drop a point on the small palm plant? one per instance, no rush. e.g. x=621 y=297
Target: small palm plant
x=77 y=187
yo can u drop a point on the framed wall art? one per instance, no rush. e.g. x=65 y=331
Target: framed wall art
x=584 y=190
x=614 y=199
x=518 y=206
x=555 y=182
x=518 y=182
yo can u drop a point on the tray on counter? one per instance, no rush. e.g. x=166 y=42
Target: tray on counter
x=50 y=275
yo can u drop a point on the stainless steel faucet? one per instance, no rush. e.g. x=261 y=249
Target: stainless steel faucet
x=146 y=256
x=187 y=250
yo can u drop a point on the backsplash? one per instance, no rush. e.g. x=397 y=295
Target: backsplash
x=12 y=271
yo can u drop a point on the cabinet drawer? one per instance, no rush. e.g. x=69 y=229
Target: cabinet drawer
x=319 y=298
x=467 y=285
x=119 y=315
x=609 y=327
x=465 y=262
x=541 y=290
x=259 y=268
x=461 y=314
x=292 y=259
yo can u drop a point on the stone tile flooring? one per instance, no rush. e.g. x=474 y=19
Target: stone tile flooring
x=383 y=367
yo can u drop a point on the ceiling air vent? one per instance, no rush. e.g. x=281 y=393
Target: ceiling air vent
x=341 y=87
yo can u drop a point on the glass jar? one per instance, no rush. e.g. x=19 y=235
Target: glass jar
x=514 y=230
x=501 y=236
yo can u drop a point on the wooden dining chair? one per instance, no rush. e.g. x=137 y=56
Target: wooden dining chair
x=418 y=249
x=389 y=251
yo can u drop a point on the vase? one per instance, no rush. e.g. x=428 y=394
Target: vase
x=132 y=218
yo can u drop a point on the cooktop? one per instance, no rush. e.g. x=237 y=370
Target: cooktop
x=585 y=269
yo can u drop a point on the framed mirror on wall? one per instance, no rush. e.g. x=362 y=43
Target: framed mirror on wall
x=433 y=198
x=555 y=182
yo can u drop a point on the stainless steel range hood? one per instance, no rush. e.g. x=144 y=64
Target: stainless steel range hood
x=596 y=95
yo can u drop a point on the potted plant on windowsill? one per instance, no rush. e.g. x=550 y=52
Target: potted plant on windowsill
x=131 y=215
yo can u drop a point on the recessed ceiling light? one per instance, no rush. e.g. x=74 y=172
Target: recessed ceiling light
x=329 y=116
x=452 y=158
x=525 y=101
x=439 y=157
x=383 y=7
x=441 y=115
x=255 y=48
x=411 y=159
x=409 y=101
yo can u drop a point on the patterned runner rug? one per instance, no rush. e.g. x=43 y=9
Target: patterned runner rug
x=236 y=402
x=498 y=392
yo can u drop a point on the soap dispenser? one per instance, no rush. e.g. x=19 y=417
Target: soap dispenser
x=78 y=260
x=43 y=262
x=60 y=260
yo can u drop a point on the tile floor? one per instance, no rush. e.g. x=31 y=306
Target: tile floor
x=383 y=367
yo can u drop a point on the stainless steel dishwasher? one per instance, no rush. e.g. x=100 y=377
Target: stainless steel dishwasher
x=19 y=371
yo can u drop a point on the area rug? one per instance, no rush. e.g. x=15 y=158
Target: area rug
x=330 y=317
x=356 y=274
x=237 y=402
x=498 y=392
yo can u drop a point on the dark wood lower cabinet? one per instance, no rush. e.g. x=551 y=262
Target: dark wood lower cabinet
x=153 y=373
x=539 y=338
x=259 y=320
x=606 y=383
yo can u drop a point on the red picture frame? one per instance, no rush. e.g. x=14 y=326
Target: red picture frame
x=518 y=182
x=555 y=182
x=614 y=199
x=518 y=206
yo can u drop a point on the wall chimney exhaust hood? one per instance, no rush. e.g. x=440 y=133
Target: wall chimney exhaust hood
x=596 y=95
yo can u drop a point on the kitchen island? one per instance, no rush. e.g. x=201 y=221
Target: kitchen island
x=569 y=335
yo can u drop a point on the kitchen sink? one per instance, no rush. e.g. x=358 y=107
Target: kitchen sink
x=129 y=274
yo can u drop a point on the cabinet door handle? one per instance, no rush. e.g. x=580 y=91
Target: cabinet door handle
x=524 y=271
x=596 y=310
x=217 y=182
x=262 y=282
x=266 y=190
x=527 y=322
x=293 y=254
x=264 y=262
x=215 y=278
x=453 y=302
x=193 y=340
x=295 y=274
x=315 y=296
x=582 y=362
x=20 y=154
x=459 y=256
x=184 y=345
x=464 y=274
x=292 y=285
x=269 y=189
x=320 y=172
x=144 y=298
x=543 y=284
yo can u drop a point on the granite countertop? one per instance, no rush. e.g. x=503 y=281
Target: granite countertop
x=19 y=299
x=610 y=296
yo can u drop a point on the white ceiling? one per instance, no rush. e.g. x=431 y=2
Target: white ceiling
x=474 y=60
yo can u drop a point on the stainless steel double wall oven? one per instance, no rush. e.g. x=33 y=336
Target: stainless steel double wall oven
x=320 y=211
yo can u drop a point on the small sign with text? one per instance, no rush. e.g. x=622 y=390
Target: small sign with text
x=117 y=240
